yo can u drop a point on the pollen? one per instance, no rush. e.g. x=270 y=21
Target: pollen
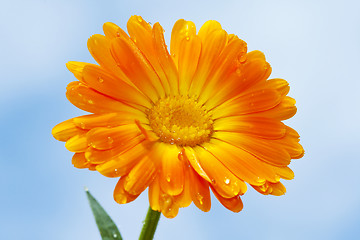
x=181 y=120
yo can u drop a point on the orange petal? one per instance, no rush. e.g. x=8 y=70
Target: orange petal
x=123 y=163
x=184 y=198
x=120 y=195
x=225 y=182
x=208 y=28
x=276 y=189
x=112 y=30
x=100 y=80
x=188 y=61
x=199 y=190
x=140 y=177
x=165 y=60
x=189 y=154
x=281 y=85
x=100 y=156
x=99 y=46
x=284 y=110
x=77 y=68
x=256 y=101
x=244 y=165
x=106 y=138
x=154 y=193
x=66 y=130
x=222 y=68
x=182 y=30
x=79 y=160
x=171 y=175
x=125 y=115
x=263 y=149
x=78 y=143
x=137 y=68
x=284 y=172
x=256 y=54
x=210 y=51
x=160 y=201
x=233 y=204
x=142 y=34
x=257 y=126
x=290 y=143
x=89 y=100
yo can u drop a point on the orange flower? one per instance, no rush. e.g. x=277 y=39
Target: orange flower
x=204 y=116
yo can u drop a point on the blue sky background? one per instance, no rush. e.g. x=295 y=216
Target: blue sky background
x=315 y=45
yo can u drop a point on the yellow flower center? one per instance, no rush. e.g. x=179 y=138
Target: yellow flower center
x=181 y=120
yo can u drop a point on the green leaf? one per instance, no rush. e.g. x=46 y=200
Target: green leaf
x=107 y=227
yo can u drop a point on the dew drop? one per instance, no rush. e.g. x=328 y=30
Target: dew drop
x=213 y=181
x=79 y=94
x=187 y=38
x=100 y=80
x=168 y=179
x=110 y=140
x=117 y=34
x=139 y=19
x=200 y=198
x=115 y=235
x=227 y=181
x=90 y=102
x=82 y=125
x=242 y=58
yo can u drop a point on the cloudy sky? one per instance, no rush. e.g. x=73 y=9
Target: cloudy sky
x=314 y=45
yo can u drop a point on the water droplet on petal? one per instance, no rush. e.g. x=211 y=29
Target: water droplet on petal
x=139 y=19
x=168 y=179
x=100 y=80
x=115 y=235
x=227 y=181
x=82 y=125
x=213 y=181
x=200 y=198
x=187 y=38
x=242 y=58
x=117 y=34
x=90 y=102
x=110 y=140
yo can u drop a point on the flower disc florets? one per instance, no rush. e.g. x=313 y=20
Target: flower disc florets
x=181 y=120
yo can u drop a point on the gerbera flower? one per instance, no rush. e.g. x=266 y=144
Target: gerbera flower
x=204 y=116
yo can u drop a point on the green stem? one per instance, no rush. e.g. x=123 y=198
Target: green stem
x=150 y=224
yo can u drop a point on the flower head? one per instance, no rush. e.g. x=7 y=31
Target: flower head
x=204 y=116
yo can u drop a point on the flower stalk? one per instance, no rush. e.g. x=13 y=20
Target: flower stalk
x=150 y=224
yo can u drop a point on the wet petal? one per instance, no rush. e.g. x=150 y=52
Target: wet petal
x=233 y=204
x=100 y=80
x=165 y=60
x=225 y=182
x=78 y=143
x=140 y=177
x=137 y=68
x=253 y=102
x=182 y=30
x=257 y=126
x=89 y=100
x=106 y=138
x=120 y=195
x=66 y=130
